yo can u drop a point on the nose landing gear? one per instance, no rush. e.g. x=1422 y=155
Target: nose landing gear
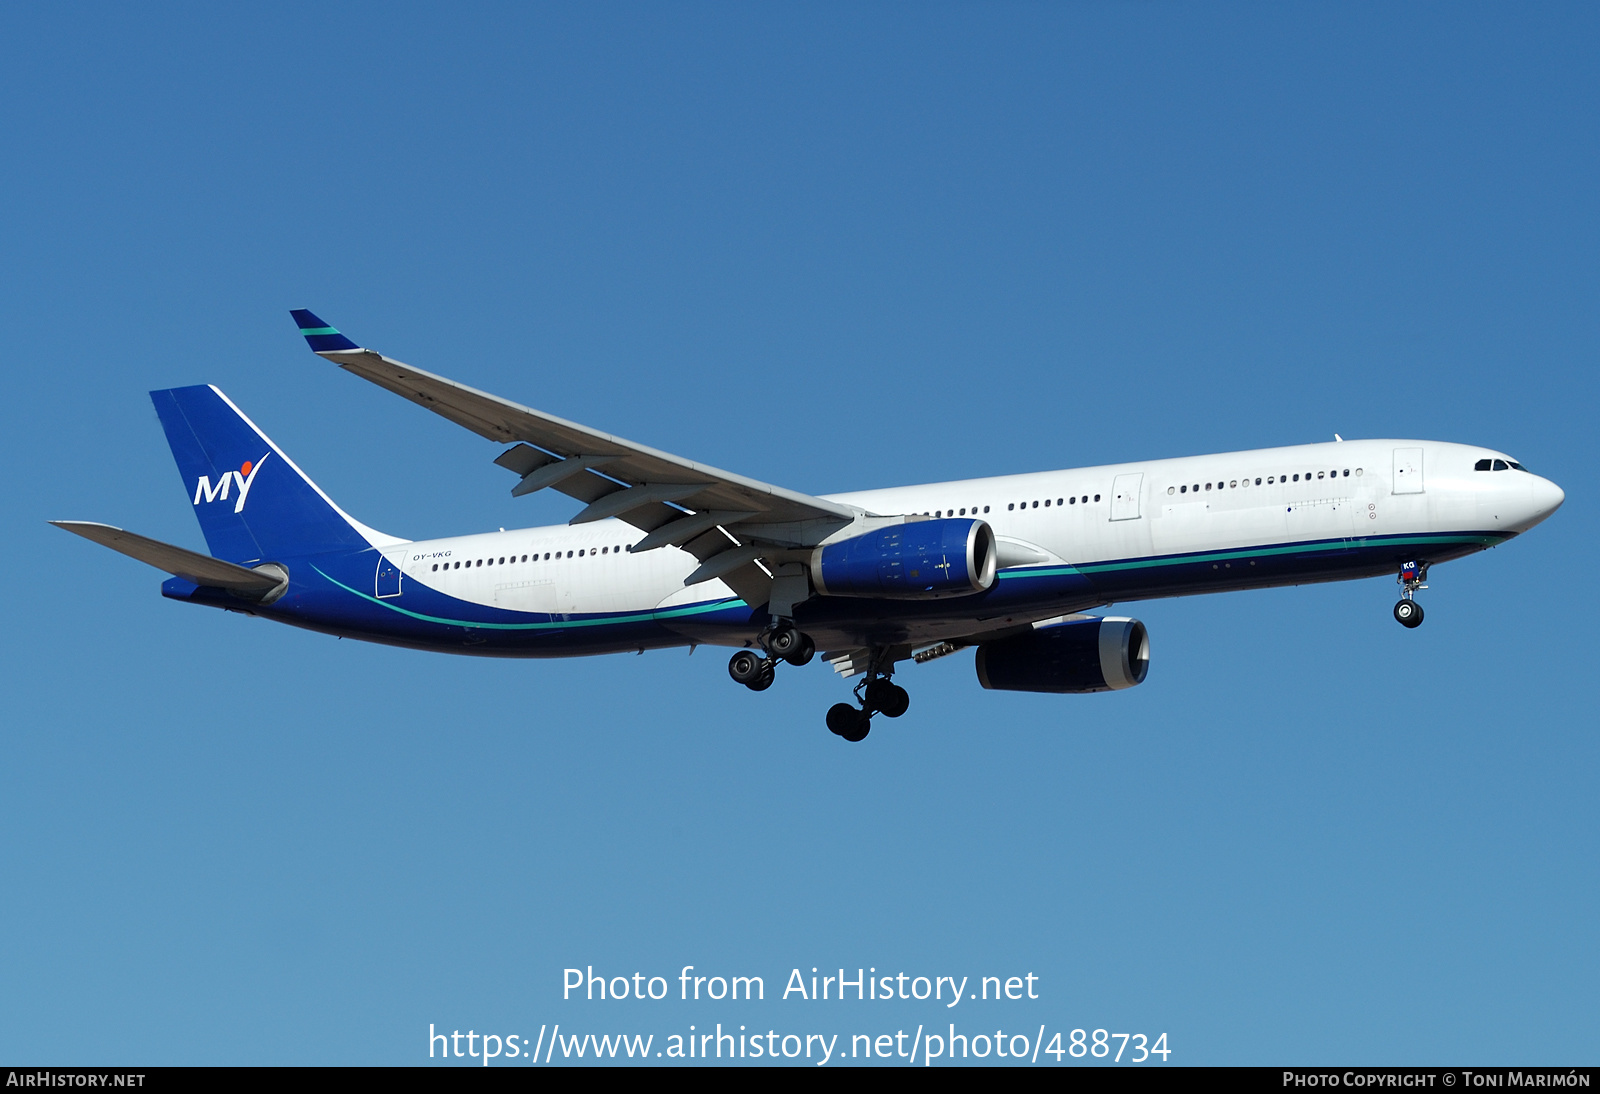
x=1408 y=613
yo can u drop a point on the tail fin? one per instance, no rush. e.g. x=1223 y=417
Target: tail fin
x=253 y=503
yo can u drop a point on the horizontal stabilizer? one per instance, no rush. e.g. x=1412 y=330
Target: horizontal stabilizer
x=189 y=565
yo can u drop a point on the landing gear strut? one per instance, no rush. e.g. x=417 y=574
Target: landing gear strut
x=1413 y=575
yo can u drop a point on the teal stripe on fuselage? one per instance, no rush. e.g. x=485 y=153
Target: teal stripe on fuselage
x=1351 y=543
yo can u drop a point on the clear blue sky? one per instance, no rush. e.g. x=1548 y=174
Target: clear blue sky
x=833 y=247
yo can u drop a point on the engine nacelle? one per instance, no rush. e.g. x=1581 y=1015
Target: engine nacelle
x=1081 y=656
x=918 y=560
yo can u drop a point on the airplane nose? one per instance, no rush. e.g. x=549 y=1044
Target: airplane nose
x=1547 y=497
x=1543 y=498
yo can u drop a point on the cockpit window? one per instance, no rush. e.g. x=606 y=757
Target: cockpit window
x=1499 y=465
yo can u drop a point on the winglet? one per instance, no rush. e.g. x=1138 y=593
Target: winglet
x=319 y=336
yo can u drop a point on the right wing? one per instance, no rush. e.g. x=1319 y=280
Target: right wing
x=726 y=520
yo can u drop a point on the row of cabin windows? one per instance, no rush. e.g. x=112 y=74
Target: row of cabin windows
x=1059 y=501
x=1010 y=507
x=512 y=559
x=1234 y=483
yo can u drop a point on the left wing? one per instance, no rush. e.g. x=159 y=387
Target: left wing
x=727 y=521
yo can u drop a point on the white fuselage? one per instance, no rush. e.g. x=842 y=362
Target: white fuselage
x=1336 y=490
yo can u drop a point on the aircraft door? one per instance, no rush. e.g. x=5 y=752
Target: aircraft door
x=1407 y=471
x=388 y=579
x=1125 y=491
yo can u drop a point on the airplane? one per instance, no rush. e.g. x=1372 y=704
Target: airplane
x=667 y=552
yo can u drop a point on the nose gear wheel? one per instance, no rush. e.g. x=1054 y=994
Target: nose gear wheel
x=1408 y=613
x=1413 y=577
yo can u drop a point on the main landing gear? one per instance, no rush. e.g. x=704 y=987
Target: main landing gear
x=877 y=695
x=782 y=642
x=1408 y=613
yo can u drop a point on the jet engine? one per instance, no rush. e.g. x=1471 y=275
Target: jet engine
x=1070 y=658
x=918 y=560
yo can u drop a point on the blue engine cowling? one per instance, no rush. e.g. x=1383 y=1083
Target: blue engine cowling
x=918 y=560
x=1080 y=656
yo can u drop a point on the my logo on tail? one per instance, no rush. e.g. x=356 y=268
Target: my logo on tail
x=244 y=477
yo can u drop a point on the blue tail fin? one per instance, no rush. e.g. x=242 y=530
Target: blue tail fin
x=253 y=503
